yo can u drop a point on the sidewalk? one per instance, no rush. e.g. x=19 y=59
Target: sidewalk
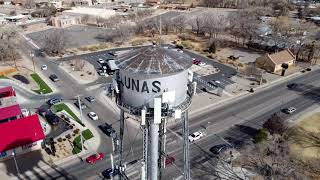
x=198 y=102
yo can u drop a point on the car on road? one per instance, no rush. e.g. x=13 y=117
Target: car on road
x=289 y=110
x=195 y=61
x=169 y=160
x=292 y=85
x=93 y=116
x=108 y=173
x=219 y=149
x=101 y=61
x=54 y=78
x=108 y=130
x=195 y=136
x=54 y=100
x=44 y=67
x=83 y=106
x=202 y=63
x=214 y=83
x=94 y=158
x=90 y=98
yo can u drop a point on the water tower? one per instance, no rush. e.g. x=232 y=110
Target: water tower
x=154 y=84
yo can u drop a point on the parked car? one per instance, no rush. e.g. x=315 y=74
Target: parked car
x=214 y=83
x=54 y=100
x=108 y=173
x=169 y=160
x=101 y=61
x=289 y=110
x=44 y=67
x=93 y=116
x=218 y=149
x=54 y=78
x=52 y=118
x=83 y=106
x=202 y=63
x=107 y=129
x=90 y=98
x=292 y=85
x=195 y=136
x=94 y=158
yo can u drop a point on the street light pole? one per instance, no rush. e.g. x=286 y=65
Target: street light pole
x=81 y=137
x=15 y=161
x=32 y=58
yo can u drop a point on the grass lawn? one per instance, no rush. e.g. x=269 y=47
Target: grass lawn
x=304 y=137
x=61 y=107
x=87 y=134
x=43 y=87
x=3 y=77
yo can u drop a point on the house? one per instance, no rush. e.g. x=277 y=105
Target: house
x=273 y=62
x=65 y=21
x=19 y=134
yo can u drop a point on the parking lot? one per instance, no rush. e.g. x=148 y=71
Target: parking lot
x=76 y=36
x=222 y=73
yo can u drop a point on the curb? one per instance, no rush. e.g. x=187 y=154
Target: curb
x=245 y=94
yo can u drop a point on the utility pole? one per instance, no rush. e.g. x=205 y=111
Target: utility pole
x=81 y=137
x=32 y=58
x=15 y=161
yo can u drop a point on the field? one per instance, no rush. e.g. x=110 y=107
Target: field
x=306 y=138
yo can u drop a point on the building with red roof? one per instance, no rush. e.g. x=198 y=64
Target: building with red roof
x=17 y=133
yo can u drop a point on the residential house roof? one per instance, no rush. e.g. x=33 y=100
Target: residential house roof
x=281 y=57
x=7 y=92
x=20 y=132
x=10 y=111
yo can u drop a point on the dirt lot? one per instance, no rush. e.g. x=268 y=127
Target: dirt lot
x=245 y=55
x=303 y=147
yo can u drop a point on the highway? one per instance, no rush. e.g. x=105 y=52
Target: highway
x=234 y=121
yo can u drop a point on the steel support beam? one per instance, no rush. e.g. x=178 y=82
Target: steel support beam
x=121 y=143
x=186 y=157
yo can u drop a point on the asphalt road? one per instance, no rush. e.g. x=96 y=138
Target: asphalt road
x=235 y=123
x=253 y=109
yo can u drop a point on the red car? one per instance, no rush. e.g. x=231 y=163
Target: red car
x=196 y=62
x=169 y=160
x=94 y=158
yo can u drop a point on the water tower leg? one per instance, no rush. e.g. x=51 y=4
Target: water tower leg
x=186 y=158
x=121 y=141
x=154 y=150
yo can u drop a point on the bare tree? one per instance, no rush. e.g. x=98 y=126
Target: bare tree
x=85 y=19
x=55 y=42
x=275 y=124
x=198 y=25
x=29 y=4
x=179 y=23
x=9 y=41
x=79 y=64
x=270 y=159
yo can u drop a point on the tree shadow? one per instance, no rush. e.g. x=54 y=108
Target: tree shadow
x=308 y=91
x=247 y=130
x=27 y=164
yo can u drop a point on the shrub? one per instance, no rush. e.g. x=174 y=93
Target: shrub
x=76 y=131
x=59 y=139
x=68 y=136
x=261 y=136
x=240 y=65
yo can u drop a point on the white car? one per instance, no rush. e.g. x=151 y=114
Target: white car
x=101 y=61
x=195 y=136
x=93 y=116
x=202 y=63
x=289 y=110
x=44 y=67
